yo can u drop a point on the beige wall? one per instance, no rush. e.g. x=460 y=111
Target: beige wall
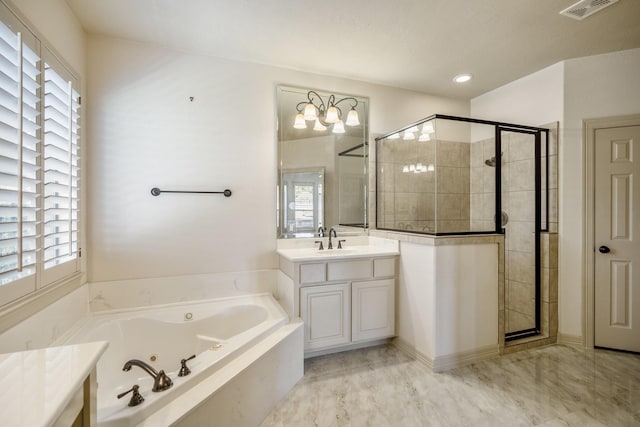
x=144 y=132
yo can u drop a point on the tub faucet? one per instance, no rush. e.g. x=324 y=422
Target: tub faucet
x=161 y=381
x=332 y=231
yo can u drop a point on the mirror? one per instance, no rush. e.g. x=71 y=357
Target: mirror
x=322 y=162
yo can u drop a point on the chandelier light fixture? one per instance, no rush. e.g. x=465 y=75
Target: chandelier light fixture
x=325 y=115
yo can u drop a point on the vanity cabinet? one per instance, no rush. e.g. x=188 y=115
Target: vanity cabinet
x=344 y=303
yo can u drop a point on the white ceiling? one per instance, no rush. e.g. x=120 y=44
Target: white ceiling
x=413 y=44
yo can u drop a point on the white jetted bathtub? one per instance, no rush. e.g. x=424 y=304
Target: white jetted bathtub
x=215 y=331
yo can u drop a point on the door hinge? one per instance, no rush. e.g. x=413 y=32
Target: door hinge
x=79 y=100
x=79 y=252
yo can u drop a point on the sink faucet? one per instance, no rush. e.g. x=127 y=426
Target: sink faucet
x=320 y=231
x=161 y=381
x=332 y=231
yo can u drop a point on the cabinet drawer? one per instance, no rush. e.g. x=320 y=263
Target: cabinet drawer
x=313 y=273
x=384 y=267
x=348 y=270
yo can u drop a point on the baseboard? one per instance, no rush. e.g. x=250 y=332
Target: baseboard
x=571 y=340
x=456 y=360
x=411 y=351
x=449 y=361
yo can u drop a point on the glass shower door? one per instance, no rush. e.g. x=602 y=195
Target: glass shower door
x=521 y=221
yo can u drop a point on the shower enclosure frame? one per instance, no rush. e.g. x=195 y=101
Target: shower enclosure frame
x=499 y=128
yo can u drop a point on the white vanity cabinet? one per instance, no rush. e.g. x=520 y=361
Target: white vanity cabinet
x=344 y=302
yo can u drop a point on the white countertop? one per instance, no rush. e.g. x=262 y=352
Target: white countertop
x=313 y=254
x=37 y=385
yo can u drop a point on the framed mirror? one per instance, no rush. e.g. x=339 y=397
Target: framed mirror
x=322 y=162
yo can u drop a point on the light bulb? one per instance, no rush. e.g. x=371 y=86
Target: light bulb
x=352 y=118
x=299 y=122
x=332 y=115
x=408 y=136
x=412 y=168
x=428 y=128
x=338 y=127
x=424 y=137
x=405 y=169
x=431 y=168
x=319 y=126
x=412 y=129
x=310 y=112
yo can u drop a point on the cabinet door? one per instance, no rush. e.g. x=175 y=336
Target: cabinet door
x=326 y=312
x=373 y=308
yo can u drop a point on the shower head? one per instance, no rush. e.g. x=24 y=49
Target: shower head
x=491 y=162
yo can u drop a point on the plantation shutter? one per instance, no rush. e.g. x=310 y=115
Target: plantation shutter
x=61 y=170
x=19 y=158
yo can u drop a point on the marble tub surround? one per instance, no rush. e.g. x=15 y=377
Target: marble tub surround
x=48 y=325
x=550 y=386
x=123 y=294
x=47 y=386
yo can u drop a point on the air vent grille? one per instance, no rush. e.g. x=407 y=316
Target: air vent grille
x=585 y=8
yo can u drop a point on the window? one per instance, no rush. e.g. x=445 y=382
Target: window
x=39 y=159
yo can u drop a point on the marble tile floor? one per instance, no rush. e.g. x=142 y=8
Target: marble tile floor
x=548 y=386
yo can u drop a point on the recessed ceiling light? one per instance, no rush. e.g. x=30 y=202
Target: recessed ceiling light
x=461 y=78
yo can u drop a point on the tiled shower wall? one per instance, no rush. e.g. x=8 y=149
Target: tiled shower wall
x=409 y=201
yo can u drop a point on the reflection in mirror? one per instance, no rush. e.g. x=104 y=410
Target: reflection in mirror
x=302 y=201
x=322 y=162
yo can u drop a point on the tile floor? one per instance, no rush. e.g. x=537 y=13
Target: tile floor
x=548 y=386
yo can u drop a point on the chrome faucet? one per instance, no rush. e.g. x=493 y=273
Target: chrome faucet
x=332 y=231
x=161 y=381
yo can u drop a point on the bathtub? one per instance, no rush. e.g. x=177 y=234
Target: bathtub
x=216 y=331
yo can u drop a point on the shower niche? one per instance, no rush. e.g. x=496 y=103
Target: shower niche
x=447 y=175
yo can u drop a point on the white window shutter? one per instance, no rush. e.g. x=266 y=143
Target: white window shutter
x=19 y=159
x=61 y=171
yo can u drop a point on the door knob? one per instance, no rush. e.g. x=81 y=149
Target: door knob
x=604 y=249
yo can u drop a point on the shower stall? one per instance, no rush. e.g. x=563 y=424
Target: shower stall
x=446 y=175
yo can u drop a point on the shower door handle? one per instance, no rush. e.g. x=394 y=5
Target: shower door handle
x=604 y=249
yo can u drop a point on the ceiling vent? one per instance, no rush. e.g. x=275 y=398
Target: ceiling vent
x=585 y=8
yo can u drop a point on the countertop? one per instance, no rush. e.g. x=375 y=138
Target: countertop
x=350 y=252
x=37 y=385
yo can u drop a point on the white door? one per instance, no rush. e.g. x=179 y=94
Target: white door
x=617 y=238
